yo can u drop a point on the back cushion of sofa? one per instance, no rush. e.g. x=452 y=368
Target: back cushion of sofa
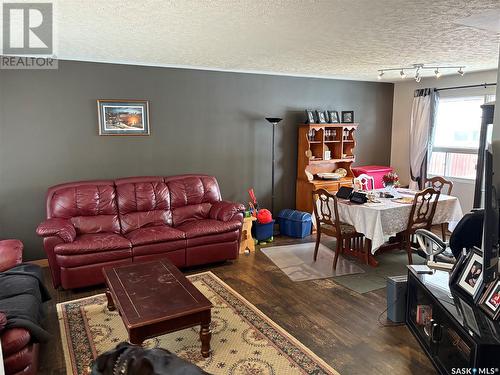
x=191 y=197
x=91 y=206
x=143 y=202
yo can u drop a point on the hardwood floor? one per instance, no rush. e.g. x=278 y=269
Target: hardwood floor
x=337 y=324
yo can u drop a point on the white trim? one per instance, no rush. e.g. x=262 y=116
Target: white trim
x=2 y=370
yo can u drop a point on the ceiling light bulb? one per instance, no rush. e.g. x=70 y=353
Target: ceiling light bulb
x=461 y=72
x=402 y=73
x=380 y=74
x=437 y=73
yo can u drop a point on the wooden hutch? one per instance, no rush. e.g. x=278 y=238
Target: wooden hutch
x=339 y=139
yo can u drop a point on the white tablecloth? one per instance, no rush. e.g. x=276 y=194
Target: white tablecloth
x=379 y=221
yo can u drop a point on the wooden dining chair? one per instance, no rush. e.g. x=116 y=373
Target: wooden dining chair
x=421 y=215
x=327 y=221
x=365 y=182
x=444 y=186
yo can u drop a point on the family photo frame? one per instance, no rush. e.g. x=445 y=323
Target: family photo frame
x=490 y=301
x=467 y=277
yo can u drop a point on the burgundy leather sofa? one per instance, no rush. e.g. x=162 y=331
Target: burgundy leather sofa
x=20 y=353
x=92 y=224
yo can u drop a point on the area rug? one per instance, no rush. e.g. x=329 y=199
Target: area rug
x=244 y=340
x=296 y=261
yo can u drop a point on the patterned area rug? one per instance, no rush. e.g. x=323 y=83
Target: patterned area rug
x=244 y=340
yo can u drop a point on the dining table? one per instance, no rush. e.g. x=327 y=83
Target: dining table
x=386 y=217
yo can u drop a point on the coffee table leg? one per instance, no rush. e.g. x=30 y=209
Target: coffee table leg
x=205 y=336
x=111 y=304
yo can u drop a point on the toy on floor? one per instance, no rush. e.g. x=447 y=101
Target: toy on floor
x=263 y=228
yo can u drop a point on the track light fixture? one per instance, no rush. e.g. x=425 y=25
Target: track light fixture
x=418 y=70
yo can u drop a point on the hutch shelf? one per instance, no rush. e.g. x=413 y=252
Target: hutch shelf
x=322 y=148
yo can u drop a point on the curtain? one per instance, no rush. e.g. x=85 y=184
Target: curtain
x=421 y=131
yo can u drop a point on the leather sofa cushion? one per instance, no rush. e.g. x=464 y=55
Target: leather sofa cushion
x=78 y=260
x=184 y=214
x=143 y=202
x=18 y=362
x=91 y=206
x=14 y=339
x=188 y=190
x=11 y=254
x=143 y=236
x=88 y=243
x=206 y=227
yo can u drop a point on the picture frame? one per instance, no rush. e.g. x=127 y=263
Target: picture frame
x=321 y=115
x=470 y=280
x=469 y=317
x=123 y=117
x=347 y=117
x=333 y=117
x=490 y=301
x=310 y=117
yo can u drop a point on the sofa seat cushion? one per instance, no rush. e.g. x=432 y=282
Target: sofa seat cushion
x=198 y=228
x=161 y=233
x=14 y=339
x=90 y=243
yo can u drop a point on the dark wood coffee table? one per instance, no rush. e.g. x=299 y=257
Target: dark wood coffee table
x=154 y=298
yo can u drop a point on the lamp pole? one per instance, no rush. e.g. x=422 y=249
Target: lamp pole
x=273 y=121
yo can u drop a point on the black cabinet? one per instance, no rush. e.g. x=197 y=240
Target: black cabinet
x=456 y=336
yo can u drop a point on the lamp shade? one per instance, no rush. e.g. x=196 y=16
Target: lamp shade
x=273 y=120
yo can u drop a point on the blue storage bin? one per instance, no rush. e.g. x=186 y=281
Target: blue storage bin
x=262 y=232
x=295 y=223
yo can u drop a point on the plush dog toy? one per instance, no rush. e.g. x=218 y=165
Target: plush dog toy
x=128 y=359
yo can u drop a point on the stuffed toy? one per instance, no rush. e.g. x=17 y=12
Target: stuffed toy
x=264 y=216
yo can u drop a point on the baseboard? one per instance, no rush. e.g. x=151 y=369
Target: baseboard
x=40 y=262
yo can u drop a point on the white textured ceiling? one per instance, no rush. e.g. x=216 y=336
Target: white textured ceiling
x=349 y=39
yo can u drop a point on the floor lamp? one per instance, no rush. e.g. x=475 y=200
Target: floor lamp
x=274 y=121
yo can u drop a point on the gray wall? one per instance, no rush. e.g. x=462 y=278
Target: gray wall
x=201 y=121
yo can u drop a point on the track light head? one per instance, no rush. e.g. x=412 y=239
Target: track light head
x=437 y=73
x=418 y=77
x=380 y=74
x=461 y=71
x=402 y=74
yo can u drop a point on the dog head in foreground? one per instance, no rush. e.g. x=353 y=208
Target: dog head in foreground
x=128 y=359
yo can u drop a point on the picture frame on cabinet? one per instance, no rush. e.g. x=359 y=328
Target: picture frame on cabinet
x=347 y=117
x=321 y=117
x=333 y=117
x=310 y=117
x=490 y=301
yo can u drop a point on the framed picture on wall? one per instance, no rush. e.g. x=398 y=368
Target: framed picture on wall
x=123 y=117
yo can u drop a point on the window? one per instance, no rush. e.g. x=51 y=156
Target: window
x=456 y=136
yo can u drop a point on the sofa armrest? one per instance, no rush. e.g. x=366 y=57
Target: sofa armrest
x=11 y=254
x=225 y=211
x=61 y=228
